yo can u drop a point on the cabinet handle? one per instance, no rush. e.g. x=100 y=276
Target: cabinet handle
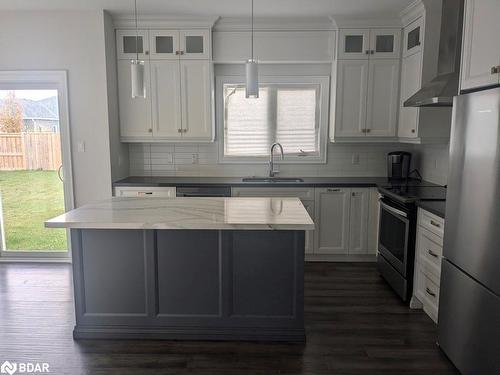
x=432 y=253
x=363 y=130
x=182 y=52
x=146 y=53
x=437 y=225
x=179 y=130
x=177 y=52
x=150 y=130
x=372 y=52
x=332 y=190
x=495 y=69
x=368 y=130
x=413 y=130
x=184 y=130
x=367 y=52
x=430 y=292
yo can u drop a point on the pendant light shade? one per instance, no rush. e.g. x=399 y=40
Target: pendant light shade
x=137 y=66
x=137 y=76
x=252 y=72
x=252 y=79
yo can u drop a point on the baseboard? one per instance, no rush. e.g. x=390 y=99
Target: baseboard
x=340 y=258
x=295 y=335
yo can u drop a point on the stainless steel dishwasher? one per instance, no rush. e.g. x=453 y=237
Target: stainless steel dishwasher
x=203 y=191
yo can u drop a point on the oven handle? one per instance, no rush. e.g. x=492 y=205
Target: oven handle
x=393 y=210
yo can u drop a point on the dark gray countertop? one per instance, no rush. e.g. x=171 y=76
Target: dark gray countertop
x=237 y=181
x=435 y=207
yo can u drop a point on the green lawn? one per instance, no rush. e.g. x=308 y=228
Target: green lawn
x=28 y=199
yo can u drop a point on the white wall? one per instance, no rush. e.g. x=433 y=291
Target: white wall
x=432 y=162
x=118 y=151
x=72 y=41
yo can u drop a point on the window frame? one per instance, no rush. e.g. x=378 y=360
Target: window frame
x=323 y=114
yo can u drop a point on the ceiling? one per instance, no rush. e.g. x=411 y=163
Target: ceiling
x=224 y=8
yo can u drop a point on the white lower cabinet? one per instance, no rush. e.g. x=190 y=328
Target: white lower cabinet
x=345 y=219
x=145 y=191
x=332 y=221
x=428 y=257
x=358 y=221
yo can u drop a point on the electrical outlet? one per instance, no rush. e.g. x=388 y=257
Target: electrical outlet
x=355 y=159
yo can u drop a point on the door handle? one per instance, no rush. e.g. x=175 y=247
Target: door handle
x=430 y=292
x=437 y=225
x=393 y=210
x=432 y=253
x=60 y=173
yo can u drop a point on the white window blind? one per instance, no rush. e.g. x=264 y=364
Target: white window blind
x=284 y=113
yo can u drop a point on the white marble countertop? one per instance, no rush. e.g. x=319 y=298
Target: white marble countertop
x=188 y=213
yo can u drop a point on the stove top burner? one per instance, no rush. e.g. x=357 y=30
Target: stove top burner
x=413 y=193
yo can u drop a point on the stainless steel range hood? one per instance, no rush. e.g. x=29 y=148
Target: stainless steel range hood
x=440 y=91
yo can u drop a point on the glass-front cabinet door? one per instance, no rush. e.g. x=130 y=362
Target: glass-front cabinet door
x=164 y=44
x=354 y=44
x=194 y=44
x=385 y=43
x=127 y=44
x=412 y=42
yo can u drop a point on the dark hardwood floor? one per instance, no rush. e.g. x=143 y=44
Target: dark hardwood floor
x=355 y=325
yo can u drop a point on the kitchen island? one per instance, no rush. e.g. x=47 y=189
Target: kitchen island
x=189 y=268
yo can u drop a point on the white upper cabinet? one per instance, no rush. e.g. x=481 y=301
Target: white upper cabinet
x=178 y=82
x=196 y=100
x=481 y=48
x=354 y=44
x=127 y=44
x=166 y=99
x=350 y=113
x=412 y=40
x=366 y=88
x=369 y=43
x=194 y=44
x=135 y=114
x=411 y=72
x=385 y=43
x=382 y=98
x=164 y=44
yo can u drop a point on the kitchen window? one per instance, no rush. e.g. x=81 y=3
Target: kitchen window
x=290 y=110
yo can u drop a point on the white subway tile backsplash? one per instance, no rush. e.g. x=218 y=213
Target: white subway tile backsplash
x=202 y=160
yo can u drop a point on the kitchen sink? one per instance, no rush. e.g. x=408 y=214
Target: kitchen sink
x=271 y=179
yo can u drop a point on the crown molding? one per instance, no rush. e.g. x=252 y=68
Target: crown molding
x=413 y=11
x=274 y=24
x=127 y=21
x=350 y=22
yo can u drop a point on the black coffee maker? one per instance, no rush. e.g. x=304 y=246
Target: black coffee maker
x=398 y=165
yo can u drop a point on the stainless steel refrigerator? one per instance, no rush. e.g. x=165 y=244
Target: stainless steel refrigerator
x=469 y=305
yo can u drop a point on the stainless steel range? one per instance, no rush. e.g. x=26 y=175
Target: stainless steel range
x=398 y=219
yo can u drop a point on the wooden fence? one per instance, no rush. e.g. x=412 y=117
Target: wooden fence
x=33 y=151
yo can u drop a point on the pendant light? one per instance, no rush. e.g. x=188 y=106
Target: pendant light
x=252 y=72
x=137 y=66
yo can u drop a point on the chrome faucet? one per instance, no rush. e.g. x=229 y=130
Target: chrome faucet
x=272 y=171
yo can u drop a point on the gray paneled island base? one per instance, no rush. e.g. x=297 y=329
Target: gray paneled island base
x=189 y=268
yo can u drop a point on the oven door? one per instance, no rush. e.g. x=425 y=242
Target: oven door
x=394 y=232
